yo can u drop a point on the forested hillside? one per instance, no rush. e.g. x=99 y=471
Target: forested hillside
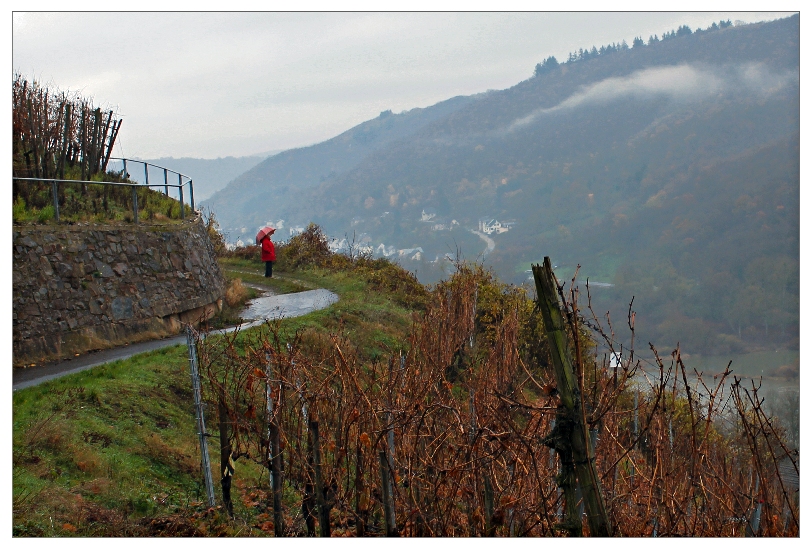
x=272 y=188
x=669 y=169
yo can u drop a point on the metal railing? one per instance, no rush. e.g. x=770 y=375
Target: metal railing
x=166 y=185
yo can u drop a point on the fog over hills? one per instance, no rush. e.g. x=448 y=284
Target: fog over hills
x=669 y=169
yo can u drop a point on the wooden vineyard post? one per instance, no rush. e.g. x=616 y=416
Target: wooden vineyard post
x=274 y=456
x=307 y=500
x=566 y=479
x=388 y=508
x=226 y=464
x=570 y=429
x=490 y=529
x=323 y=511
x=360 y=498
x=390 y=471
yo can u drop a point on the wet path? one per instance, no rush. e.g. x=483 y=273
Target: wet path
x=282 y=306
x=267 y=306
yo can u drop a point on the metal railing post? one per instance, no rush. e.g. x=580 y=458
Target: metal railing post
x=55 y=182
x=180 y=188
x=55 y=192
x=135 y=203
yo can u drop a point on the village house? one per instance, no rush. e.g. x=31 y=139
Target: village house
x=428 y=214
x=412 y=253
x=488 y=226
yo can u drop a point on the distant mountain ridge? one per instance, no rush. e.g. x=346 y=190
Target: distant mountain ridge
x=272 y=188
x=670 y=170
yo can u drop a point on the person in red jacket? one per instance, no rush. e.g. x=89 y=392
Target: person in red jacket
x=268 y=254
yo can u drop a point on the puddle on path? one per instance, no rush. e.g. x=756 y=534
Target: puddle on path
x=288 y=305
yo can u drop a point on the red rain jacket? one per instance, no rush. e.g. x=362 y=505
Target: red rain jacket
x=268 y=250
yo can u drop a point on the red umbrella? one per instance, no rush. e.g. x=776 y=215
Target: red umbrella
x=264 y=232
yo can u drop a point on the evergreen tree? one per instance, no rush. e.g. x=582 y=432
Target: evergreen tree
x=546 y=65
x=638 y=42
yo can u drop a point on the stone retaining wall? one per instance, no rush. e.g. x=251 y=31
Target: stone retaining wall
x=89 y=286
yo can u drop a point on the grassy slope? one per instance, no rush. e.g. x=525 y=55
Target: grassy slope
x=113 y=451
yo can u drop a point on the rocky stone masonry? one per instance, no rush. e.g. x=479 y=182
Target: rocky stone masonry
x=89 y=286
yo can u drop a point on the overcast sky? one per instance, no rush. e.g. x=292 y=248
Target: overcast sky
x=217 y=84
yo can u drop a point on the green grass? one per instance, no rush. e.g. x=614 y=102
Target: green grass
x=33 y=202
x=119 y=436
x=373 y=321
x=253 y=272
x=113 y=450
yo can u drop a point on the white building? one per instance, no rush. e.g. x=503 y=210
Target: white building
x=409 y=251
x=488 y=226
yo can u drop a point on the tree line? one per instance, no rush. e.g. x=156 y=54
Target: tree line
x=584 y=54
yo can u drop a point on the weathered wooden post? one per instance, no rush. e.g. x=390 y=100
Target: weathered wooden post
x=471 y=438
x=323 y=511
x=360 y=498
x=489 y=528
x=226 y=463
x=388 y=508
x=64 y=148
x=308 y=501
x=274 y=455
x=570 y=424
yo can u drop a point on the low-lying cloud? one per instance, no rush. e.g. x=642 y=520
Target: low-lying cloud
x=683 y=83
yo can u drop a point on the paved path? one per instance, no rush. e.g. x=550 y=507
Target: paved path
x=268 y=306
